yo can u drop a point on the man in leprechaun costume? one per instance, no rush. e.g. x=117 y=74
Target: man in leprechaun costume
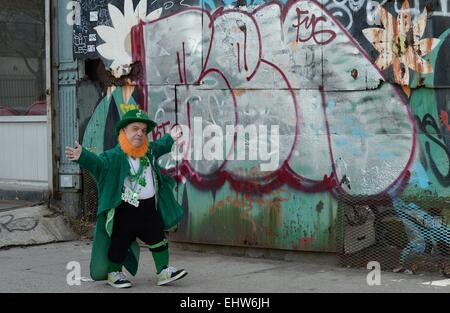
x=135 y=200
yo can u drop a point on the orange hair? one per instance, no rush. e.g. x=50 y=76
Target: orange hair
x=128 y=148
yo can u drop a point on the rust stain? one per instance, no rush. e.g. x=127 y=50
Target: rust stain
x=407 y=91
x=239 y=92
x=294 y=45
x=306 y=241
x=275 y=213
x=253 y=172
x=244 y=203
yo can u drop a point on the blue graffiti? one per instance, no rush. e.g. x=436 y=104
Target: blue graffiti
x=428 y=230
x=331 y=105
x=420 y=177
x=341 y=142
x=356 y=127
x=207 y=4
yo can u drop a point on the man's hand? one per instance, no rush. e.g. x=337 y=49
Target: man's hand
x=73 y=154
x=176 y=132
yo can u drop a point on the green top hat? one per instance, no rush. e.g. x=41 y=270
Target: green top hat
x=135 y=116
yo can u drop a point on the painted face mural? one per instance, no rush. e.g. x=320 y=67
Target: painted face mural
x=324 y=95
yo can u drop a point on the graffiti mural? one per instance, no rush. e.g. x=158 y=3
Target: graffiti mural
x=357 y=90
x=11 y=224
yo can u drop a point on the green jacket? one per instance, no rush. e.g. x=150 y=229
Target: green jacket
x=110 y=169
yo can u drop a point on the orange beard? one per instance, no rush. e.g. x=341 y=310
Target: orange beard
x=128 y=148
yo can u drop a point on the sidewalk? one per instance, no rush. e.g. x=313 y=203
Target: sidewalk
x=23 y=223
x=43 y=269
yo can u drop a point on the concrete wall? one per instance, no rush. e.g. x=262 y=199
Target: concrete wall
x=357 y=89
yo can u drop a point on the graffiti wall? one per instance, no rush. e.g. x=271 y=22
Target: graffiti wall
x=337 y=102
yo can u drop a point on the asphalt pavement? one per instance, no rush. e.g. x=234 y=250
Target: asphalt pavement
x=53 y=268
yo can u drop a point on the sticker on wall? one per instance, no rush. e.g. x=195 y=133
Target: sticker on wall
x=93 y=16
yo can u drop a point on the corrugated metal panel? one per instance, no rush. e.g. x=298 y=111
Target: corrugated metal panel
x=69 y=129
x=25 y=155
x=67 y=94
x=284 y=219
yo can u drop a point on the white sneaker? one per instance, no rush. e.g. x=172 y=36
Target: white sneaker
x=118 y=280
x=170 y=274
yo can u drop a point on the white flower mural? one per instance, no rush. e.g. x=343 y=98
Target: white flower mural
x=117 y=46
x=399 y=44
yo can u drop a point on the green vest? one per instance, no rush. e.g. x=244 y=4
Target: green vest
x=110 y=169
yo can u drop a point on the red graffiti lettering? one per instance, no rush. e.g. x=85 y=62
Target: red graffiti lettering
x=310 y=23
x=156 y=134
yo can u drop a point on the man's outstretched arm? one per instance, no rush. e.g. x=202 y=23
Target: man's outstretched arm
x=93 y=163
x=164 y=144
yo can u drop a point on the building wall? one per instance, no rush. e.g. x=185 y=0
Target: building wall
x=359 y=101
x=24 y=127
